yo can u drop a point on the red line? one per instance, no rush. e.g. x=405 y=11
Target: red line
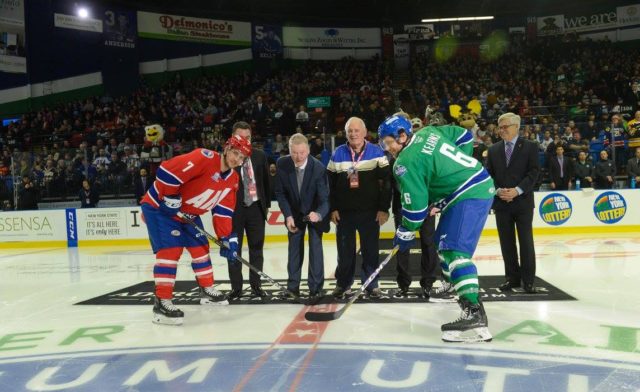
x=320 y=328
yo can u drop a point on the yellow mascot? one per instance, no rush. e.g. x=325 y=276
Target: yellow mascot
x=155 y=149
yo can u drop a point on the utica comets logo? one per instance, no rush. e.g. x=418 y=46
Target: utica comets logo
x=610 y=207
x=555 y=209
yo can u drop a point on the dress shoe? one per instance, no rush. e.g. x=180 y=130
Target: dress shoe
x=403 y=291
x=529 y=288
x=233 y=294
x=375 y=293
x=508 y=285
x=315 y=295
x=340 y=292
x=258 y=292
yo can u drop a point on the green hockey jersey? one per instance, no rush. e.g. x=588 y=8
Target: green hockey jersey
x=436 y=167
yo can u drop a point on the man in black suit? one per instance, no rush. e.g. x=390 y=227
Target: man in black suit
x=513 y=164
x=560 y=170
x=142 y=183
x=261 y=114
x=302 y=191
x=252 y=204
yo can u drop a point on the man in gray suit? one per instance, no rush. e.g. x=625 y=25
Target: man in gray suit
x=633 y=168
x=302 y=191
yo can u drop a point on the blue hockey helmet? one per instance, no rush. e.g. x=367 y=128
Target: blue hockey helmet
x=392 y=126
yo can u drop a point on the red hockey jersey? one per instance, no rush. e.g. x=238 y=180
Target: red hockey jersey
x=197 y=179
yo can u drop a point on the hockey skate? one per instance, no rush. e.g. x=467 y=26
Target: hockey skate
x=211 y=296
x=472 y=325
x=443 y=293
x=165 y=312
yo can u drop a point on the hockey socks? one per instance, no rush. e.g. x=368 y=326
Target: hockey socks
x=460 y=271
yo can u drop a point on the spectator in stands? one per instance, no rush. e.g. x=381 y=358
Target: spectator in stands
x=560 y=170
x=278 y=144
x=261 y=114
x=633 y=169
x=339 y=138
x=545 y=142
x=28 y=195
x=576 y=145
x=316 y=147
x=272 y=179
x=584 y=171
x=142 y=182
x=4 y=170
x=117 y=173
x=302 y=118
x=89 y=196
x=605 y=171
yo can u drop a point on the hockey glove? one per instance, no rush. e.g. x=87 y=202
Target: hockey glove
x=171 y=205
x=403 y=239
x=229 y=250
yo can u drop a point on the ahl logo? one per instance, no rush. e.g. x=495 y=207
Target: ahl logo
x=207 y=153
x=555 y=209
x=400 y=170
x=216 y=177
x=175 y=233
x=610 y=207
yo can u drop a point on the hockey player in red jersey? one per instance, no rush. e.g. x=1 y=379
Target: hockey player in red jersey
x=194 y=183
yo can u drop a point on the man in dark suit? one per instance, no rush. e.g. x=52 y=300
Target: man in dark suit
x=142 y=183
x=302 y=191
x=513 y=164
x=560 y=170
x=252 y=204
x=261 y=114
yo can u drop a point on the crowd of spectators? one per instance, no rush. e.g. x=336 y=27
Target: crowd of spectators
x=581 y=95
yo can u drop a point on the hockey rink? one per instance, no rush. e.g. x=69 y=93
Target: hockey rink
x=48 y=343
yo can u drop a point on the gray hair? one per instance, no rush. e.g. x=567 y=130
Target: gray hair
x=346 y=125
x=511 y=118
x=297 y=139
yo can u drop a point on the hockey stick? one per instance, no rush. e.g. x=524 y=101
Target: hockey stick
x=240 y=259
x=328 y=316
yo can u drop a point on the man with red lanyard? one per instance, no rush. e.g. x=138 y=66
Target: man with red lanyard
x=360 y=197
x=253 y=200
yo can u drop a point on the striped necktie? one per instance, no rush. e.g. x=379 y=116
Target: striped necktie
x=508 y=152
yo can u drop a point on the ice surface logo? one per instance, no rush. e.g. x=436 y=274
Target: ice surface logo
x=355 y=367
x=610 y=207
x=555 y=209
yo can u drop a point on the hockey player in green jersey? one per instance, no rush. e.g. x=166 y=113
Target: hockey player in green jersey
x=436 y=173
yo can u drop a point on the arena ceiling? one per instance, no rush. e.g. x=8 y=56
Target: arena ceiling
x=368 y=12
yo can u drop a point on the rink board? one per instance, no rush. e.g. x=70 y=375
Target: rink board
x=556 y=212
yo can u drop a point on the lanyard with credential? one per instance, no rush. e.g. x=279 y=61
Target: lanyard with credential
x=352 y=175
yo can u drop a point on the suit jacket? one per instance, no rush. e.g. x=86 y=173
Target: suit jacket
x=313 y=195
x=261 y=174
x=139 y=189
x=633 y=167
x=554 y=170
x=522 y=172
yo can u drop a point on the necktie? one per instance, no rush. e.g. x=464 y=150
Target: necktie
x=561 y=168
x=248 y=200
x=299 y=177
x=509 y=151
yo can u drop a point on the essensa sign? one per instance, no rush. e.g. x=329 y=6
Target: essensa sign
x=169 y=22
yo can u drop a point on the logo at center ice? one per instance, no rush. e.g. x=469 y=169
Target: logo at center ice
x=610 y=207
x=555 y=209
